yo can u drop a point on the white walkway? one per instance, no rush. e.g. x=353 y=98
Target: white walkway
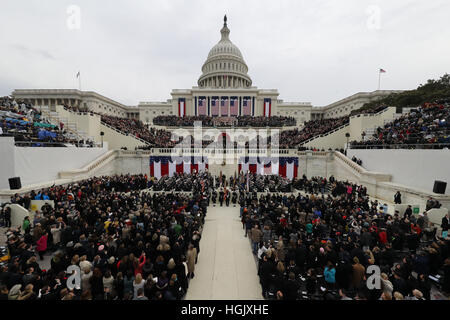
x=226 y=268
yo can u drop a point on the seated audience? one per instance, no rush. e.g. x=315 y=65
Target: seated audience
x=426 y=126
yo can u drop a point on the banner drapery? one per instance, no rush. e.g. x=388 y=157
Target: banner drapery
x=284 y=166
x=161 y=166
x=181 y=107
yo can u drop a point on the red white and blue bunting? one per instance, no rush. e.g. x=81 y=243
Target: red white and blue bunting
x=181 y=107
x=284 y=166
x=161 y=166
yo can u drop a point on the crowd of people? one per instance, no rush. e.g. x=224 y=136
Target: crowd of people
x=427 y=125
x=369 y=110
x=184 y=182
x=22 y=121
x=128 y=126
x=131 y=244
x=162 y=138
x=128 y=244
x=208 y=121
x=154 y=137
x=319 y=245
x=311 y=129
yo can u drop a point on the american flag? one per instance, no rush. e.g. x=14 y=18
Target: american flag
x=214 y=107
x=247 y=107
x=234 y=108
x=224 y=107
x=202 y=107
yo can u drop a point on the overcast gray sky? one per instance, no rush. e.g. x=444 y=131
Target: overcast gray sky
x=139 y=50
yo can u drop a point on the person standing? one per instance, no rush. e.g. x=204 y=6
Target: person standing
x=330 y=275
x=41 y=245
x=446 y=279
x=221 y=197
x=398 y=198
x=138 y=284
x=256 y=237
x=7 y=217
x=444 y=226
x=26 y=225
x=96 y=282
x=358 y=273
x=408 y=213
x=191 y=257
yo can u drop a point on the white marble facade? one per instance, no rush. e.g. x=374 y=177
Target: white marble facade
x=224 y=77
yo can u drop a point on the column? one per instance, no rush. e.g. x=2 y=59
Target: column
x=240 y=106
x=209 y=111
x=195 y=105
x=253 y=106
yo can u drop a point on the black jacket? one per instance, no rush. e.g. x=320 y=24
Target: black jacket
x=444 y=224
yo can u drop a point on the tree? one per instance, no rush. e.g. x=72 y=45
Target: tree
x=430 y=91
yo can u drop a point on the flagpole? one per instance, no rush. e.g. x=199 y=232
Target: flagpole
x=79 y=80
x=379 y=79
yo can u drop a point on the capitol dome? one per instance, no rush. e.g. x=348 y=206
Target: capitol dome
x=225 y=67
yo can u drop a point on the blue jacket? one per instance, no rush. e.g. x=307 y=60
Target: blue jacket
x=329 y=275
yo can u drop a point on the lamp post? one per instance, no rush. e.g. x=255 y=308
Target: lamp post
x=347 y=135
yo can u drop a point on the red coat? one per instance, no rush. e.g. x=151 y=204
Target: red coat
x=383 y=237
x=416 y=229
x=141 y=263
x=42 y=243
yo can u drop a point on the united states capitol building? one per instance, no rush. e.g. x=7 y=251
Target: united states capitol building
x=224 y=89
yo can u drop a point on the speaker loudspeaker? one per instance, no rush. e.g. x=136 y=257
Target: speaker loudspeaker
x=439 y=187
x=14 y=183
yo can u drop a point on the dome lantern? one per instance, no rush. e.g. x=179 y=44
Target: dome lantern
x=225 y=67
x=225 y=31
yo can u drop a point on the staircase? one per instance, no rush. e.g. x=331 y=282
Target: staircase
x=371 y=131
x=71 y=127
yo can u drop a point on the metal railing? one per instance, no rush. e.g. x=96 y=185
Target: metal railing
x=400 y=146
x=38 y=143
x=221 y=151
x=50 y=118
x=325 y=134
x=52 y=144
x=124 y=133
x=369 y=114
